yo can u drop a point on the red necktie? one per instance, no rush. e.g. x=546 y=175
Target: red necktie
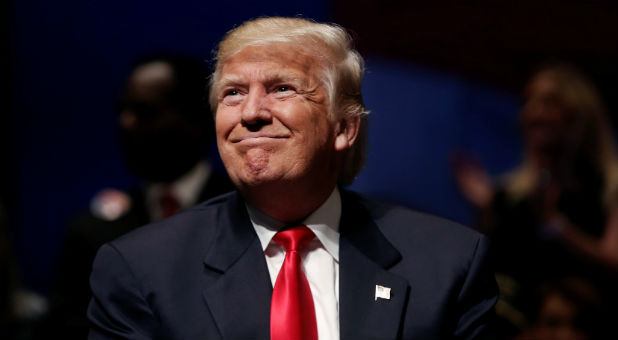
x=292 y=315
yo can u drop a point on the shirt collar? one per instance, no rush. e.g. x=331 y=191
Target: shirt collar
x=324 y=222
x=186 y=188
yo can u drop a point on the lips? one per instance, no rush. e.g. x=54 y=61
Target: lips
x=257 y=137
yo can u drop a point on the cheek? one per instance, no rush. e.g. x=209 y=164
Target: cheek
x=322 y=127
x=224 y=123
x=223 y=127
x=305 y=117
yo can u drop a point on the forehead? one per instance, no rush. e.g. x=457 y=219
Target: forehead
x=156 y=72
x=274 y=58
x=541 y=85
x=150 y=80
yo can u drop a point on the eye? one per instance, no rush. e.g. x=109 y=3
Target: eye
x=231 y=96
x=230 y=93
x=283 y=90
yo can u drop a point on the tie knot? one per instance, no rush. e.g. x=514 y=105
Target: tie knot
x=294 y=239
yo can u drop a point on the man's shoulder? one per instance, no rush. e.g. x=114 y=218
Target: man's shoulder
x=426 y=243
x=405 y=225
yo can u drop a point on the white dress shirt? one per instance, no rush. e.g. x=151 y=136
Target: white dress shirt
x=185 y=189
x=320 y=259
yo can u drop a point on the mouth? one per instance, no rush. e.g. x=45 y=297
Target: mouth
x=258 y=137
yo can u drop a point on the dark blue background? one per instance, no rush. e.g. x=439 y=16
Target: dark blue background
x=69 y=60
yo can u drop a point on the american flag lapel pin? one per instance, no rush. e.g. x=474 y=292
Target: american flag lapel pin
x=383 y=293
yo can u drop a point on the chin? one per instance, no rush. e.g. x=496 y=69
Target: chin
x=264 y=180
x=256 y=181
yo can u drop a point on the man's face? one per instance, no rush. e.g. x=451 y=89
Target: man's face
x=159 y=141
x=272 y=118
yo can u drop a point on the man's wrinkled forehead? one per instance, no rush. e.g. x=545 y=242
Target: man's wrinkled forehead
x=265 y=75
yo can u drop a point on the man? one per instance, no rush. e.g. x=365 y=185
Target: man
x=291 y=254
x=164 y=131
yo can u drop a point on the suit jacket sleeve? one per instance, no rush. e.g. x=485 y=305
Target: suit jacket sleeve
x=118 y=308
x=477 y=297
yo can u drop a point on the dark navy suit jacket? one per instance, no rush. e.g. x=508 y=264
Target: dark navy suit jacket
x=202 y=275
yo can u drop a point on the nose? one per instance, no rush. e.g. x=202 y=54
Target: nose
x=255 y=110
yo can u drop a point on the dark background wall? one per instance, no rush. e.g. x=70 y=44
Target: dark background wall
x=496 y=42
x=441 y=76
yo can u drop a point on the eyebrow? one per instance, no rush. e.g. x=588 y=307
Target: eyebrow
x=270 y=77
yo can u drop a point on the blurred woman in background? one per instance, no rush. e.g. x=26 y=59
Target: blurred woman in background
x=556 y=214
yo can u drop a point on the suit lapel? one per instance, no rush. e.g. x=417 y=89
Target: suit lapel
x=237 y=288
x=364 y=257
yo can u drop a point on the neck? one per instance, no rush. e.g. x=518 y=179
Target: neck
x=557 y=166
x=285 y=204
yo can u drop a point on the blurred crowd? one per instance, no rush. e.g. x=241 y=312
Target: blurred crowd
x=553 y=220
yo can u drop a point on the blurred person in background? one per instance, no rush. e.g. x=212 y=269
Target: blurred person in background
x=556 y=215
x=165 y=129
x=568 y=309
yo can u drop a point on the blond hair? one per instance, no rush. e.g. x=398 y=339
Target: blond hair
x=342 y=70
x=579 y=98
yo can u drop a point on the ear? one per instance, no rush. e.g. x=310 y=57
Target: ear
x=346 y=132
